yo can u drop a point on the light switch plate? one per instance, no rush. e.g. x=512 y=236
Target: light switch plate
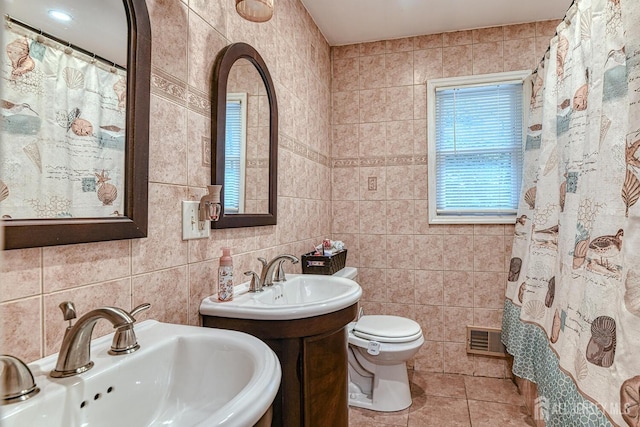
x=192 y=228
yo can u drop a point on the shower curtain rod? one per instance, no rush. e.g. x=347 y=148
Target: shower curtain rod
x=549 y=47
x=92 y=55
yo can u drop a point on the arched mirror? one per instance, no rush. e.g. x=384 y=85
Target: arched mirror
x=245 y=131
x=75 y=121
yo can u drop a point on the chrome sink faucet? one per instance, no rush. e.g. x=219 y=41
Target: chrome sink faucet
x=266 y=277
x=75 y=353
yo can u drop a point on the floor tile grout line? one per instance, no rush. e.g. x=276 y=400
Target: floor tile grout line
x=466 y=395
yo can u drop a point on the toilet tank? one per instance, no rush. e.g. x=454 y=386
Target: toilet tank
x=348 y=272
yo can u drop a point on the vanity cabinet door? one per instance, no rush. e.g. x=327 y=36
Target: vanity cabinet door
x=313 y=356
x=325 y=381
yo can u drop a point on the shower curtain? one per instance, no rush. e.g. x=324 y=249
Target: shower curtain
x=63 y=130
x=572 y=308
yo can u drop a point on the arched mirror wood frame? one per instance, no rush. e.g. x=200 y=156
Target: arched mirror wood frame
x=224 y=61
x=29 y=233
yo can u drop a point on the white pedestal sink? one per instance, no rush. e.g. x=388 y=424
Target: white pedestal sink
x=301 y=296
x=181 y=376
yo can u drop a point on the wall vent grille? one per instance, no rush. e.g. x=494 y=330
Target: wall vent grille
x=485 y=341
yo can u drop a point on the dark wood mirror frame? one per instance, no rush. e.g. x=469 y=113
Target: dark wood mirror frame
x=29 y=233
x=224 y=61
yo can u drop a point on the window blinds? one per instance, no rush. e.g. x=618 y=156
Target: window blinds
x=479 y=149
x=233 y=173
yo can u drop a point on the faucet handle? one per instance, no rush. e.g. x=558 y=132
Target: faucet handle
x=256 y=284
x=68 y=313
x=263 y=261
x=140 y=308
x=17 y=380
x=68 y=310
x=124 y=339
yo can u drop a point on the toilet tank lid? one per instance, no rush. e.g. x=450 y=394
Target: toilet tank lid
x=348 y=272
x=387 y=326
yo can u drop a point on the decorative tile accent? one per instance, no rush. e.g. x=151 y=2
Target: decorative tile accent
x=372 y=183
x=345 y=163
x=379 y=161
x=420 y=160
x=312 y=155
x=300 y=149
x=372 y=161
x=199 y=102
x=206 y=151
x=169 y=87
x=287 y=143
x=400 y=161
x=323 y=160
x=257 y=163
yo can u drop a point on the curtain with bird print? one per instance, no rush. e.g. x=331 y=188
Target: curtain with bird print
x=62 y=128
x=572 y=308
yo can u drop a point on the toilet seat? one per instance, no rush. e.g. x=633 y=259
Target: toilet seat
x=387 y=329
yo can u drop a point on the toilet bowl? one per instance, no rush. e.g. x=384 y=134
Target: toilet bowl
x=379 y=347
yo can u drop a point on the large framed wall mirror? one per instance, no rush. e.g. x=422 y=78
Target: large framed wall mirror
x=75 y=122
x=245 y=138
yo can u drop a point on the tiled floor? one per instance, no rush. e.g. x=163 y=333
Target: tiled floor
x=443 y=400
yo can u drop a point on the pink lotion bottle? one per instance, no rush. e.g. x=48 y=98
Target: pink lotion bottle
x=225 y=276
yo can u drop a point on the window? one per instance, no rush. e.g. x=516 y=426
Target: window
x=476 y=133
x=234 y=152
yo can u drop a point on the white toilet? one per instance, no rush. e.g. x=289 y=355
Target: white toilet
x=379 y=347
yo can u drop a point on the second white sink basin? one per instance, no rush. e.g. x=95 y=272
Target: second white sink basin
x=182 y=376
x=301 y=296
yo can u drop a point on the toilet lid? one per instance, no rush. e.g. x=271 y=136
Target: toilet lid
x=388 y=329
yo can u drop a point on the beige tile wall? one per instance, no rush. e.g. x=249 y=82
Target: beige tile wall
x=444 y=277
x=344 y=118
x=171 y=274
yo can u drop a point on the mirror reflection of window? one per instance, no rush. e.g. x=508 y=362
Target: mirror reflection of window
x=235 y=153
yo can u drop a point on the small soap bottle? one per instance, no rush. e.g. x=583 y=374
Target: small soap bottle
x=225 y=276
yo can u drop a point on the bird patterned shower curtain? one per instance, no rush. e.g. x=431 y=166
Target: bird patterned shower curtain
x=572 y=308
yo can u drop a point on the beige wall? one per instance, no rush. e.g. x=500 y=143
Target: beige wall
x=444 y=277
x=171 y=274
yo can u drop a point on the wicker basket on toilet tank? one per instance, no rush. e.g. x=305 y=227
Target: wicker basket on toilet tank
x=323 y=264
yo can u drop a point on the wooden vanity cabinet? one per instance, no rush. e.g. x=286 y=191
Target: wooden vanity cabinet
x=313 y=356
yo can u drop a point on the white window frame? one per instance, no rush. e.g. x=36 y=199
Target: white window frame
x=240 y=98
x=457 y=82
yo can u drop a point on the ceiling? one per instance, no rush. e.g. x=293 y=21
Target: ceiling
x=356 y=21
x=98 y=26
